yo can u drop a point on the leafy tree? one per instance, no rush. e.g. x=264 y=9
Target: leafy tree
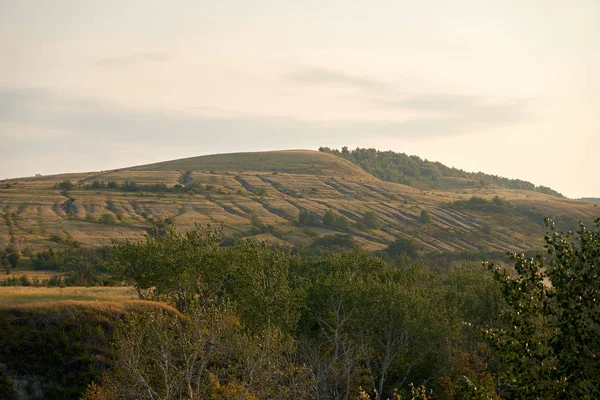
x=549 y=346
x=260 y=286
x=10 y=259
x=367 y=324
x=335 y=242
x=308 y=218
x=402 y=247
x=425 y=218
x=180 y=268
x=4 y=261
x=205 y=355
x=108 y=218
x=65 y=185
x=371 y=220
x=334 y=220
x=412 y=170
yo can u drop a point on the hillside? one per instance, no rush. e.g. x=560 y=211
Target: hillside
x=412 y=170
x=262 y=195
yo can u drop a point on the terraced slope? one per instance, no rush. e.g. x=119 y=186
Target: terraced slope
x=269 y=190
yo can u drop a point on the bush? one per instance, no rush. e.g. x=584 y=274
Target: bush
x=425 y=218
x=108 y=219
x=371 y=220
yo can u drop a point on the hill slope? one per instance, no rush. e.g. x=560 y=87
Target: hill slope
x=262 y=195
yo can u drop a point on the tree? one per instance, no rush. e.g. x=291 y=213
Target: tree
x=335 y=220
x=549 y=347
x=65 y=185
x=4 y=261
x=402 y=247
x=204 y=355
x=261 y=288
x=108 y=218
x=9 y=258
x=307 y=218
x=425 y=218
x=371 y=220
x=179 y=268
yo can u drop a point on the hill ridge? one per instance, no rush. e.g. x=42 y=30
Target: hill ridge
x=277 y=196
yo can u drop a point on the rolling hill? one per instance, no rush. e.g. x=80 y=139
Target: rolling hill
x=262 y=195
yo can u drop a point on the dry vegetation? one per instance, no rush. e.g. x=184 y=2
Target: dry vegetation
x=21 y=295
x=275 y=187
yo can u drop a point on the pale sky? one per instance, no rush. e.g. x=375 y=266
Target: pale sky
x=510 y=88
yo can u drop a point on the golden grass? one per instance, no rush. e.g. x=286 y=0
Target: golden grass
x=290 y=181
x=20 y=295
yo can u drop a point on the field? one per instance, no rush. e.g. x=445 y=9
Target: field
x=21 y=295
x=233 y=190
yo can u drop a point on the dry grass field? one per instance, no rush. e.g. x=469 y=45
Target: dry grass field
x=275 y=187
x=20 y=295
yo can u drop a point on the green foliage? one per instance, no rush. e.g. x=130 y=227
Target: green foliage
x=412 y=170
x=335 y=242
x=108 y=219
x=425 y=217
x=65 y=346
x=81 y=266
x=65 y=185
x=183 y=269
x=6 y=386
x=133 y=186
x=258 y=226
x=336 y=221
x=308 y=218
x=9 y=259
x=260 y=287
x=371 y=220
x=371 y=325
x=206 y=355
x=549 y=346
x=402 y=247
x=486 y=228
x=496 y=205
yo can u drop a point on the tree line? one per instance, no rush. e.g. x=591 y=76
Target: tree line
x=414 y=171
x=259 y=322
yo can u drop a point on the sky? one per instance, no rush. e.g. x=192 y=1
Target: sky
x=510 y=88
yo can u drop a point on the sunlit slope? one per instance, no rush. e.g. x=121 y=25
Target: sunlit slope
x=304 y=162
x=269 y=189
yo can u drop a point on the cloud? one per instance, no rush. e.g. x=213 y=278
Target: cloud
x=470 y=109
x=90 y=119
x=436 y=109
x=57 y=131
x=140 y=58
x=322 y=76
x=37 y=122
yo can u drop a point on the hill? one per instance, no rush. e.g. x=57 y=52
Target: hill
x=280 y=197
x=412 y=170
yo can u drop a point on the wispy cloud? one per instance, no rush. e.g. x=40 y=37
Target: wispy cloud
x=472 y=109
x=323 y=76
x=437 y=109
x=85 y=118
x=38 y=123
x=140 y=58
